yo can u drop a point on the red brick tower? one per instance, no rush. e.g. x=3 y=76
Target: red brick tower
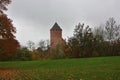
x=55 y=35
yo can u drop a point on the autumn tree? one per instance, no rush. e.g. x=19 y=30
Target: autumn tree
x=24 y=54
x=81 y=42
x=99 y=33
x=3 y=4
x=74 y=46
x=43 y=48
x=112 y=30
x=8 y=43
x=99 y=38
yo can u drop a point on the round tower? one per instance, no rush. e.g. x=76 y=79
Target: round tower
x=55 y=35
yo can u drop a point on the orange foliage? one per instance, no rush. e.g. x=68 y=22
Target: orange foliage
x=8 y=43
x=6 y=27
x=8 y=48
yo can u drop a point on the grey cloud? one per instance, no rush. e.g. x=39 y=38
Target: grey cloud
x=38 y=16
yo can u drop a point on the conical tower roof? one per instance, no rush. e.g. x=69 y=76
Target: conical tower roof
x=56 y=27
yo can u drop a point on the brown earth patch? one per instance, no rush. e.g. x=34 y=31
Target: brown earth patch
x=6 y=73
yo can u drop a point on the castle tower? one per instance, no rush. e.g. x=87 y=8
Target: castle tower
x=55 y=35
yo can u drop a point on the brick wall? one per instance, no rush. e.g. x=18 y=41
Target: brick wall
x=55 y=38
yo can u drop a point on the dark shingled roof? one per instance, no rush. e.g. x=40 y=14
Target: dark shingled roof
x=56 y=27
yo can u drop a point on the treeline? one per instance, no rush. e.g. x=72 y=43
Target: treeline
x=85 y=42
x=29 y=52
x=101 y=41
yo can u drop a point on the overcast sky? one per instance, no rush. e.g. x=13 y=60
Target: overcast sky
x=34 y=18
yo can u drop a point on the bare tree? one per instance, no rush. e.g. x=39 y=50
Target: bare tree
x=31 y=45
x=42 y=45
x=112 y=30
x=99 y=33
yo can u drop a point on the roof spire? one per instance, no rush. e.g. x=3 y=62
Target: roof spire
x=56 y=27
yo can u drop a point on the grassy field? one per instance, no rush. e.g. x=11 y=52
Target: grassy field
x=100 y=68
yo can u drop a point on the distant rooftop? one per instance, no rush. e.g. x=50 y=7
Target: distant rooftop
x=56 y=27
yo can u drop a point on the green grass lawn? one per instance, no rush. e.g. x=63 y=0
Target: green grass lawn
x=99 y=68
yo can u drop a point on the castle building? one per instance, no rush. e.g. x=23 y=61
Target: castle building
x=55 y=35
